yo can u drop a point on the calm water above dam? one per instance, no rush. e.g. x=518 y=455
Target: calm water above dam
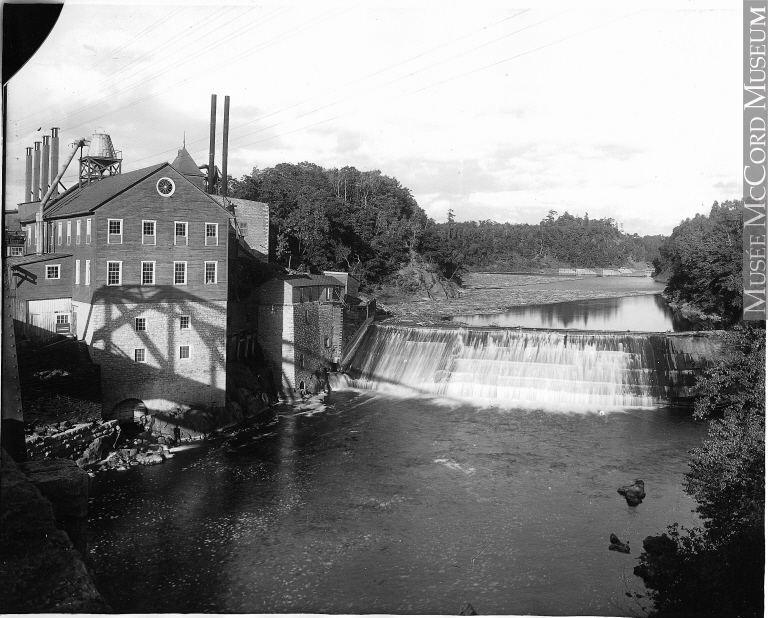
x=388 y=505
x=648 y=313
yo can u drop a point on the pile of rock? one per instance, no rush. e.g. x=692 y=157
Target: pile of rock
x=145 y=450
x=66 y=439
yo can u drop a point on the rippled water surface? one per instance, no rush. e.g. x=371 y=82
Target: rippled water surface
x=388 y=505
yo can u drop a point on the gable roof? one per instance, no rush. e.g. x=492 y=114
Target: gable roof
x=84 y=200
x=185 y=164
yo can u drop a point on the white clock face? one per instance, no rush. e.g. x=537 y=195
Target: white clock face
x=166 y=187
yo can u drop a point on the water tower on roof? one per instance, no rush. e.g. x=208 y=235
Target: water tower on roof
x=101 y=159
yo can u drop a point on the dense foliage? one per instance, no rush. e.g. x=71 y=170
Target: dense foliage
x=703 y=260
x=716 y=569
x=563 y=240
x=369 y=224
x=363 y=222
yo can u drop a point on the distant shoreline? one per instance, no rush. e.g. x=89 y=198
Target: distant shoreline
x=481 y=294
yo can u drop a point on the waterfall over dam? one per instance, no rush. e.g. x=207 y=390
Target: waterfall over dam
x=591 y=370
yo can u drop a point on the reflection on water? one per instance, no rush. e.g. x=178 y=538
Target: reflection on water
x=382 y=505
x=648 y=313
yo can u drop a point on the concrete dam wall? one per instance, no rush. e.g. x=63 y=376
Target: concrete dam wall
x=583 y=369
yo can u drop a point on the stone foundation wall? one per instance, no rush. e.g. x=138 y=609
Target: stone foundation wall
x=163 y=381
x=69 y=444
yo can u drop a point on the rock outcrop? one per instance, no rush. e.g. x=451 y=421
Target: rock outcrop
x=40 y=570
x=634 y=493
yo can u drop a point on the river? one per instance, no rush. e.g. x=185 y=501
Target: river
x=373 y=503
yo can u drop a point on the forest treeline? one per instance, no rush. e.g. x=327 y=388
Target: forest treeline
x=369 y=224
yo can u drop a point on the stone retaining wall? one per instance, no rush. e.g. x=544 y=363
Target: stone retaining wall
x=69 y=444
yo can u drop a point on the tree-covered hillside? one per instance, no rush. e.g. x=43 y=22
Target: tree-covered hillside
x=362 y=222
x=564 y=240
x=702 y=259
x=369 y=224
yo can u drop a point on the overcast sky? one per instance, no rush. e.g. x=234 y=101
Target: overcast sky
x=503 y=112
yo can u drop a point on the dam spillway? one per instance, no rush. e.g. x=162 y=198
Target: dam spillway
x=590 y=370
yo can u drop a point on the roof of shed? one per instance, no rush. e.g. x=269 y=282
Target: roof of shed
x=21 y=260
x=307 y=281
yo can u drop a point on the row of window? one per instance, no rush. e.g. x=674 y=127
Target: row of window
x=149 y=232
x=115 y=233
x=115 y=273
x=140 y=354
x=185 y=323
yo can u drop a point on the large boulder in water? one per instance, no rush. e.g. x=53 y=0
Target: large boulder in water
x=617 y=545
x=634 y=493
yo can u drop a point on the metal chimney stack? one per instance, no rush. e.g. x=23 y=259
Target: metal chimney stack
x=225 y=149
x=212 y=152
x=44 y=168
x=36 y=174
x=28 y=177
x=54 y=159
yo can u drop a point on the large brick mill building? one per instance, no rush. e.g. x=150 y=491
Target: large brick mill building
x=137 y=266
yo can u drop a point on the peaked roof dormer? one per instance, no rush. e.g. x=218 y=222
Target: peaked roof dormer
x=186 y=165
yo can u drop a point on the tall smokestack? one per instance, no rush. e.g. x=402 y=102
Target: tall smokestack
x=212 y=151
x=28 y=177
x=54 y=158
x=36 y=174
x=45 y=165
x=225 y=148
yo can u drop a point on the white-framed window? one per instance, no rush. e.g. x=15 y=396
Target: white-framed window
x=180 y=273
x=78 y=227
x=29 y=235
x=140 y=324
x=16 y=251
x=114 y=273
x=211 y=234
x=88 y=231
x=185 y=352
x=180 y=233
x=185 y=322
x=69 y=232
x=87 y=272
x=58 y=234
x=211 y=272
x=115 y=231
x=139 y=355
x=306 y=316
x=147 y=273
x=77 y=272
x=148 y=232
x=53 y=271
x=62 y=318
x=242 y=228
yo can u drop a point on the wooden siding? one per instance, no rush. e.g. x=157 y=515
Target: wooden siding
x=41 y=319
x=142 y=202
x=30 y=283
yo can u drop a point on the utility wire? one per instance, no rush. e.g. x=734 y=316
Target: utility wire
x=347 y=85
x=102 y=59
x=201 y=74
x=186 y=60
x=446 y=80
